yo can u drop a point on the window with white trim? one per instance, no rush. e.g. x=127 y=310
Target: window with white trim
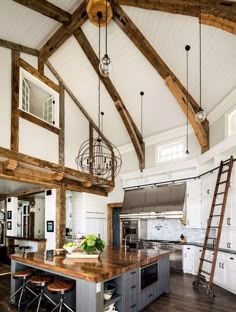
x=170 y=151
x=38 y=99
x=231 y=122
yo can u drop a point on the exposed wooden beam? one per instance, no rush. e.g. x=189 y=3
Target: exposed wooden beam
x=60 y=216
x=129 y=28
x=15 y=100
x=217 y=13
x=28 y=191
x=33 y=71
x=48 y=9
x=38 y=122
x=92 y=57
x=63 y=33
x=76 y=101
x=9 y=164
x=46 y=165
x=18 y=47
x=73 y=186
x=61 y=138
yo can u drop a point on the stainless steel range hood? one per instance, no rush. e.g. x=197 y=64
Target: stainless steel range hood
x=164 y=201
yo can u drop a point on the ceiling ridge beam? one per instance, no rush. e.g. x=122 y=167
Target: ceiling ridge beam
x=48 y=9
x=139 y=40
x=63 y=33
x=18 y=47
x=217 y=13
x=92 y=57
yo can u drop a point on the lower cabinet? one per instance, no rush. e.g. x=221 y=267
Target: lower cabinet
x=131 y=286
x=188 y=257
x=148 y=294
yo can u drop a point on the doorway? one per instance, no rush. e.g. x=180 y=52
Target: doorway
x=113 y=224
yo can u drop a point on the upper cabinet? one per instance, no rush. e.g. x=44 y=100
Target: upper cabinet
x=192 y=204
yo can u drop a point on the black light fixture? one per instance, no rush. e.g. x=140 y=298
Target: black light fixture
x=101 y=159
x=200 y=116
x=105 y=62
x=141 y=121
x=187 y=48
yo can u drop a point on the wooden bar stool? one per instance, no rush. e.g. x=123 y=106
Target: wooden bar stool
x=41 y=281
x=61 y=287
x=25 y=276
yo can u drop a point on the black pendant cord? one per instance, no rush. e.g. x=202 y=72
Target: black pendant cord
x=106 y=29
x=141 y=121
x=200 y=56
x=187 y=48
x=99 y=78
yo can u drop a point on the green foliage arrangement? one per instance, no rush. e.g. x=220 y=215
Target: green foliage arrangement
x=92 y=243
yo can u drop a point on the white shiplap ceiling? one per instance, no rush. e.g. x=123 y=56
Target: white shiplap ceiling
x=168 y=33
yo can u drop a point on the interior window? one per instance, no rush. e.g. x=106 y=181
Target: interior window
x=231 y=123
x=170 y=151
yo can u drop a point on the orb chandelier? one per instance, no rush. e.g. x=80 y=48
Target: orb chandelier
x=100 y=158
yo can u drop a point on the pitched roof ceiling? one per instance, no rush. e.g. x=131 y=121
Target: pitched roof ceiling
x=132 y=72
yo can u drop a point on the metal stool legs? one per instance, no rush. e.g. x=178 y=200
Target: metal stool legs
x=40 y=297
x=22 y=290
x=61 y=304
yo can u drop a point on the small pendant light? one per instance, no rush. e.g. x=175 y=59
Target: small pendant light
x=187 y=48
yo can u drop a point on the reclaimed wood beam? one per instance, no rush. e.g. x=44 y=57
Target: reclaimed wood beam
x=61 y=138
x=15 y=78
x=216 y=13
x=18 y=47
x=33 y=71
x=177 y=89
x=73 y=186
x=9 y=164
x=60 y=216
x=63 y=33
x=128 y=122
x=28 y=191
x=48 y=9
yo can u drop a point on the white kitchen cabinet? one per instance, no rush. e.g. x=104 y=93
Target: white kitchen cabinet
x=188 y=257
x=192 y=204
x=96 y=224
x=230 y=272
x=197 y=255
x=226 y=239
x=219 y=275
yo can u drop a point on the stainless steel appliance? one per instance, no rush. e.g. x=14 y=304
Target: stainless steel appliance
x=176 y=252
x=149 y=275
x=136 y=231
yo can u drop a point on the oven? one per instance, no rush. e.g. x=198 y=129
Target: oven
x=149 y=275
x=131 y=228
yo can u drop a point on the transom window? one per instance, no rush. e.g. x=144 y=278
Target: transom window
x=171 y=151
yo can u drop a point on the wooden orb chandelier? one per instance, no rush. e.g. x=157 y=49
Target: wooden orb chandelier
x=94 y=6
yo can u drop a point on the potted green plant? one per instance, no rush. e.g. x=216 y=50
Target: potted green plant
x=92 y=244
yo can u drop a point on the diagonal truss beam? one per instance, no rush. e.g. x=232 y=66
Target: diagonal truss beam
x=216 y=13
x=175 y=86
x=133 y=132
x=48 y=9
x=63 y=33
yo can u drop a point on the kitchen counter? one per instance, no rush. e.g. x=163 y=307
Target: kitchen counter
x=36 y=243
x=114 y=265
x=112 y=262
x=37 y=239
x=210 y=247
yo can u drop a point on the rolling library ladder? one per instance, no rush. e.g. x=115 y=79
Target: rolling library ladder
x=215 y=221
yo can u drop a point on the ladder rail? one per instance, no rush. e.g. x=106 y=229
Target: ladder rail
x=226 y=183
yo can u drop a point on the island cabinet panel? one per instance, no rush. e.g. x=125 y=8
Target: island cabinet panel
x=117 y=297
x=131 y=289
x=163 y=275
x=148 y=294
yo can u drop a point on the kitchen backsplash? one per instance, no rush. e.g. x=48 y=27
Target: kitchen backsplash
x=171 y=229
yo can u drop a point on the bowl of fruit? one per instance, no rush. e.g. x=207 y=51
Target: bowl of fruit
x=69 y=247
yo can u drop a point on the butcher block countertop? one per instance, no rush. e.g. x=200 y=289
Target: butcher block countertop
x=112 y=262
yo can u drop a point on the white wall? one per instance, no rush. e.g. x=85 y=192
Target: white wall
x=5 y=97
x=12 y=205
x=78 y=218
x=39 y=217
x=50 y=215
x=37 y=141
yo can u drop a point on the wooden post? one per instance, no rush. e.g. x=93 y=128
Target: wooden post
x=15 y=101
x=60 y=216
x=61 y=137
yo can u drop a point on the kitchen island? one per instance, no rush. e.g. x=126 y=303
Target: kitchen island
x=128 y=270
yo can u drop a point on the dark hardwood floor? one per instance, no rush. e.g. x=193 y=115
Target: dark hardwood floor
x=181 y=298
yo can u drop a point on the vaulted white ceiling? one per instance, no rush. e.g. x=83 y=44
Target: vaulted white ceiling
x=132 y=73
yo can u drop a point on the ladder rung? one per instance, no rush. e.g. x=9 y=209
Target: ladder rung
x=220 y=193
x=215 y=215
x=222 y=182
x=208 y=273
x=226 y=161
x=213 y=227
x=219 y=204
x=209 y=261
x=211 y=238
x=224 y=171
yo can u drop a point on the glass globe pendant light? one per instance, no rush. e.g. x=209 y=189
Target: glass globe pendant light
x=187 y=48
x=200 y=116
x=105 y=63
